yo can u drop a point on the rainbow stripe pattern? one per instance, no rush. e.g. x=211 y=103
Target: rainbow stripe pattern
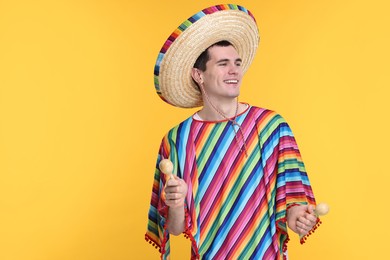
x=187 y=23
x=236 y=204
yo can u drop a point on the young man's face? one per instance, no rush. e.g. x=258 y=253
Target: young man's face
x=223 y=74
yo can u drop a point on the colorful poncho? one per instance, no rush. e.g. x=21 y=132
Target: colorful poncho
x=237 y=195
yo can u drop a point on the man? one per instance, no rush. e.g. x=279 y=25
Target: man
x=239 y=175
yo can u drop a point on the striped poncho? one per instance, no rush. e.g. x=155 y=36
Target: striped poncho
x=237 y=198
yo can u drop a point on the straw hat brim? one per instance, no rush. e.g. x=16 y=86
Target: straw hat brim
x=173 y=80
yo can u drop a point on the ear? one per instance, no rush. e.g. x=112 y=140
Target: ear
x=197 y=75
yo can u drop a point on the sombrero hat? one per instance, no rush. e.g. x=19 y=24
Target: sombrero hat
x=172 y=72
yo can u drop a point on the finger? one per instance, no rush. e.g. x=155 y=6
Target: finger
x=171 y=189
x=301 y=225
x=174 y=196
x=310 y=209
x=304 y=228
x=174 y=200
x=303 y=221
x=175 y=189
x=312 y=218
x=172 y=182
x=302 y=231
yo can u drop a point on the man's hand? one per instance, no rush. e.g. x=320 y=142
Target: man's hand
x=175 y=192
x=301 y=219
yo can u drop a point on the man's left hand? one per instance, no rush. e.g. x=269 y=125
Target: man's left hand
x=301 y=219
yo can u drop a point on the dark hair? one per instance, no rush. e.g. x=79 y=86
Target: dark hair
x=204 y=57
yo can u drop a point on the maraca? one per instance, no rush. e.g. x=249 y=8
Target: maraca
x=321 y=209
x=166 y=167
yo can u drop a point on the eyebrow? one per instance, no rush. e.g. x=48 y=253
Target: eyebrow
x=226 y=60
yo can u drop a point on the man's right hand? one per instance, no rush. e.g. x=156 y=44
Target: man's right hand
x=175 y=192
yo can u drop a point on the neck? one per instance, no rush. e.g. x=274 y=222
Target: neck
x=221 y=110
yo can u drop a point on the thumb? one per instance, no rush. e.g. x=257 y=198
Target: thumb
x=310 y=209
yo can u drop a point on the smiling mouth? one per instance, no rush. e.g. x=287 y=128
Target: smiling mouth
x=231 y=81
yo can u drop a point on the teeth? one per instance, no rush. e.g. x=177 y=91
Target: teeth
x=231 y=81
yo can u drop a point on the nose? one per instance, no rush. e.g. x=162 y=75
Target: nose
x=233 y=69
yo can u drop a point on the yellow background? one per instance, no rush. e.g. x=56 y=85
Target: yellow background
x=80 y=123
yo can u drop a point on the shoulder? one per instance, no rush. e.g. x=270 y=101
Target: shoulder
x=266 y=116
x=180 y=128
